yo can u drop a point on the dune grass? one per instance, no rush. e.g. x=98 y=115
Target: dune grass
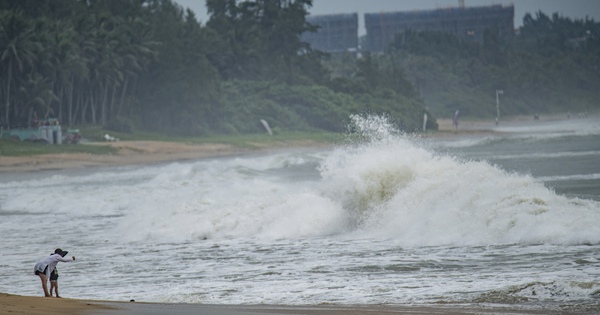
x=236 y=140
x=27 y=148
x=96 y=134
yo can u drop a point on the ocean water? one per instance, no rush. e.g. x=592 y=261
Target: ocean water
x=509 y=219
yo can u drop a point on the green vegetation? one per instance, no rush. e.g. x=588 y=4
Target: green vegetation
x=262 y=139
x=551 y=66
x=135 y=66
x=27 y=148
x=150 y=69
x=241 y=141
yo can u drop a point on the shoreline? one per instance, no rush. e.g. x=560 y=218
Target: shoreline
x=128 y=153
x=135 y=153
x=53 y=306
x=145 y=152
x=155 y=152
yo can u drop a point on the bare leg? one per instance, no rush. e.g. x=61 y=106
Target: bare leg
x=55 y=284
x=44 y=284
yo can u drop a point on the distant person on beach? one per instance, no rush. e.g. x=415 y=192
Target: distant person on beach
x=455 y=120
x=46 y=266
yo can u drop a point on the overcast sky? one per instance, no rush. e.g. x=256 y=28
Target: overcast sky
x=569 y=8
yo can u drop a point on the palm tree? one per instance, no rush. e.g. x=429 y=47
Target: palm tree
x=137 y=51
x=37 y=94
x=62 y=61
x=17 y=51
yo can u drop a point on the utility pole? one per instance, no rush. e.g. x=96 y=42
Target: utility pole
x=498 y=105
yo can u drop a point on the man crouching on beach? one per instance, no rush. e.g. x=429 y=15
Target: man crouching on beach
x=44 y=267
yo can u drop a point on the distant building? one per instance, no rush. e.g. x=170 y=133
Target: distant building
x=466 y=22
x=336 y=33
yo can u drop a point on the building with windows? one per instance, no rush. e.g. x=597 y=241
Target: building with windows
x=467 y=22
x=336 y=33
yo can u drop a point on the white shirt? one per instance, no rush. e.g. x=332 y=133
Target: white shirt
x=50 y=262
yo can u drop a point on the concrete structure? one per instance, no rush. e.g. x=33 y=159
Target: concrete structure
x=467 y=22
x=336 y=33
x=48 y=131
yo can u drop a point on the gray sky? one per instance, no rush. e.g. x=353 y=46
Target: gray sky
x=578 y=9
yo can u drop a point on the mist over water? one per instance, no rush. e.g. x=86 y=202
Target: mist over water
x=387 y=217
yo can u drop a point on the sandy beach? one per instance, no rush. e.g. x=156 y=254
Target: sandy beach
x=128 y=153
x=149 y=152
x=14 y=304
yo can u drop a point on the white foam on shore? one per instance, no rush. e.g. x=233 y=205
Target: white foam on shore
x=528 y=131
x=386 y=187
x=569 y=177
x=382 y=221
x=547 y=129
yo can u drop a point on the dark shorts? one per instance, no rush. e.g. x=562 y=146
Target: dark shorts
x=43 y=272
x=54 y=275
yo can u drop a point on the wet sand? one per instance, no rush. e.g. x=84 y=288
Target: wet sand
x=14 y=304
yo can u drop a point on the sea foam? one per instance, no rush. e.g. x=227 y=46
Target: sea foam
x=392 y=187
x=383 y=184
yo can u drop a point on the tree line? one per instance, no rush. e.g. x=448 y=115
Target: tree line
x=150 y=64
x=551 y=65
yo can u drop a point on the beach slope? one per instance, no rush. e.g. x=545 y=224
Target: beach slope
x=15 y=304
